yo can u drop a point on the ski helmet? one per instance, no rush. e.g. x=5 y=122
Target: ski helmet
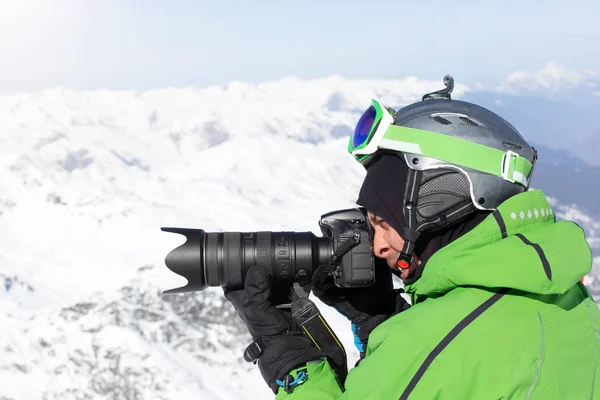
x=461 y=157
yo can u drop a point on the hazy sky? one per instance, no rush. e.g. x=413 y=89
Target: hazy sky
x=135 y=44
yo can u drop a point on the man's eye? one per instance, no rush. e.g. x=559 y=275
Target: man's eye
x=381 y=223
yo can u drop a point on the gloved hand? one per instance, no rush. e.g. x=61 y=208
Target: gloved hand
x=284 y=345
x=365 y=307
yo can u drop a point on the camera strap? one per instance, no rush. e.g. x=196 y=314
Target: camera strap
x=308 y=316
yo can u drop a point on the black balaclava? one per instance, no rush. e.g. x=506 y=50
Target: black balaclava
x=382 y=193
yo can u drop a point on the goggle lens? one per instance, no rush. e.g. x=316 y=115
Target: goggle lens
x=363 y=127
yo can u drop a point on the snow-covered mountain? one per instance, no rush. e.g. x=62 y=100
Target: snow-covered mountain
x=88 y=178
x=128 y=344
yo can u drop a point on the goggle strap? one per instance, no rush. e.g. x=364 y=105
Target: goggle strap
x=508 y=165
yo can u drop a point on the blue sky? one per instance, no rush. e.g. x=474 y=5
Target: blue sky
x=135 y=44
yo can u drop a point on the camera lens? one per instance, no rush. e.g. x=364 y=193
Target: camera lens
x=222 y=259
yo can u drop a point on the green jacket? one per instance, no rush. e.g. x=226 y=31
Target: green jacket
x=498 y=314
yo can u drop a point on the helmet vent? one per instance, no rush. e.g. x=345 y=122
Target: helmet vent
x=512 y=146
x=453 y=183
x=468 y=121
x=442 y=120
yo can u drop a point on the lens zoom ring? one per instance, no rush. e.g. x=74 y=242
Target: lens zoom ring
x=232 y=259
x=264 y=254
x=212 y=260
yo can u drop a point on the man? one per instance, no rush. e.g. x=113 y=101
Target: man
x=498 y=310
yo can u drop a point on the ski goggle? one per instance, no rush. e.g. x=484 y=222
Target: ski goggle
x=369 y=131
x=376 y=130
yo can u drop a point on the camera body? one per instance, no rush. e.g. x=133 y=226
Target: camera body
x=356 y=267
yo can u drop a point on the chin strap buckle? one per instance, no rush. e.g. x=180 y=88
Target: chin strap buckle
x=403 y=261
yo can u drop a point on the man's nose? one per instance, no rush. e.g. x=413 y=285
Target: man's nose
x=381 y=247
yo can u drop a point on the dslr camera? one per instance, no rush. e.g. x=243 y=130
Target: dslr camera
x=222 y=258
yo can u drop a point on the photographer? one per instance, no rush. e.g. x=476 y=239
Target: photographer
x=497 y=307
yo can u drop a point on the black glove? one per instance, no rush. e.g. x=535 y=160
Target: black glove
x=365 y=307
x=284 y=345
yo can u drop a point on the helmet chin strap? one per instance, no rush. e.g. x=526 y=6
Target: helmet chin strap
x=411 y=234
x=406 y=255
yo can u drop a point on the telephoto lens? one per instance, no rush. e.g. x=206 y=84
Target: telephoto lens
x=222 y=259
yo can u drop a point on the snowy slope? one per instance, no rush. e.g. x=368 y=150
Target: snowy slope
x=88 y=178
x=127 y=345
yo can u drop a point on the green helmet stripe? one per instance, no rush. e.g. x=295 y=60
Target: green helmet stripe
x=507 y=165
